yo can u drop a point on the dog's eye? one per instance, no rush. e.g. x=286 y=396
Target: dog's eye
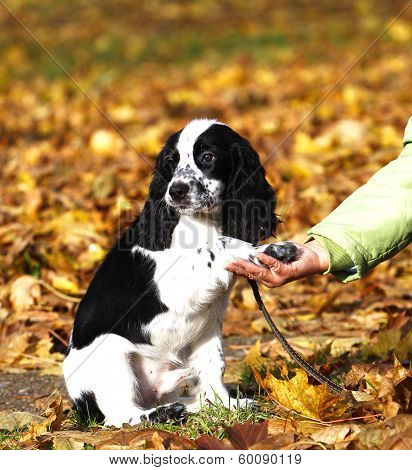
x=207 y=157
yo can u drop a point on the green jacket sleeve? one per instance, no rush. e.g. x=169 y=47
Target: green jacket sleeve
x=372 y=224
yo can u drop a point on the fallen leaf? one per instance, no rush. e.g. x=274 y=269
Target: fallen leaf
x=66 y=443
x=52 y=418
x=340 y=346
x=12 y=420
x=12 y=350
x=253 y=357
x=279 y=426
x=105 y=142
x=399 y=441
x=313 y=401
x=104 y=184
x=339 y=435
x=212 y=443
x=24 y=292
x=243 y=436
x=388 y=342
x=260 y=326
x=63 y=282
x=144 y=439
x=280 y=441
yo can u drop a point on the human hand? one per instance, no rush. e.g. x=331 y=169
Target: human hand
x=311 y=259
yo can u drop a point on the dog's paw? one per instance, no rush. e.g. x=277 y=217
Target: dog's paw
x=174 y=412
x=286 y=252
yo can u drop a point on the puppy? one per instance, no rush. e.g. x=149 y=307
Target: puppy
x=146 y=341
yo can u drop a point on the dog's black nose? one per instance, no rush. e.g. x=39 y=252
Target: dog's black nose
x=178 y=190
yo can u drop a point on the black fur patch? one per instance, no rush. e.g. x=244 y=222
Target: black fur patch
x=120 y=298
x=249 y=201
x=285 y=252
x=88 y=408
x=175 y=412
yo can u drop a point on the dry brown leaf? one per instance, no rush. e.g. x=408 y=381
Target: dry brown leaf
x=66 y=443
x=53 y=418
x=11 y=351
x=24 y=292
x=277 y=442
x=157 y=442
x=399 y=441
x=260 y=326
x=243 y=436
x=144 y=439
x=340 y=346
x=339 y=435
x=279 y=426
x=11 y=420
x=212 y=443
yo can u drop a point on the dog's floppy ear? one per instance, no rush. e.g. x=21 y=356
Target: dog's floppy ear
x=154 y=227
x=249 y=201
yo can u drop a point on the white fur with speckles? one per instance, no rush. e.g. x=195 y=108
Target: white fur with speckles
x=188 y=172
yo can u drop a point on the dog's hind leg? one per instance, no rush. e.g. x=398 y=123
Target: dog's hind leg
x=101 y=383
x=207 y=362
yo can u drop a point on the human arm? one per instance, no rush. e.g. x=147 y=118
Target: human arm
x=370 y=226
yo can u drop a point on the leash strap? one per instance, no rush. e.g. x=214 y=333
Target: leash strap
x=288 y=348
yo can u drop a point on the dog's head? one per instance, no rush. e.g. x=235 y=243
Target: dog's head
x=207 y=168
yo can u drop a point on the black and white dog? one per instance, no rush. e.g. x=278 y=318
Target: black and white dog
x=146 y=340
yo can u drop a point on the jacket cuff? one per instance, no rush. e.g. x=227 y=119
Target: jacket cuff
x=339 y=260
x=347 y=263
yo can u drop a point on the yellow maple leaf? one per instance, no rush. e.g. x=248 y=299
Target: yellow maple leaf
x=253 y=358
x=313 y=401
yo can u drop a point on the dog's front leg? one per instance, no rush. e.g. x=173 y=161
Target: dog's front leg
x=286 y=252
x=208 y=364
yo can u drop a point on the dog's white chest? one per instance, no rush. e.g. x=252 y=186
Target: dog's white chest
x=194 y=286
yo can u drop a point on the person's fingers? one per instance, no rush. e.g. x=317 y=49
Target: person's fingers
x=251 y=268
x=246 y=269
x=268 y=260
x=239 y=271
x=269 y=284
x=261 y=274
x=242 y=272
x=231 y=266
x=269 y=277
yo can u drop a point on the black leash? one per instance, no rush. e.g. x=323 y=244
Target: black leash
x=288 y=348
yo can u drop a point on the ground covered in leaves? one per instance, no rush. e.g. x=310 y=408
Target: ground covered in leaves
x=75 y=168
